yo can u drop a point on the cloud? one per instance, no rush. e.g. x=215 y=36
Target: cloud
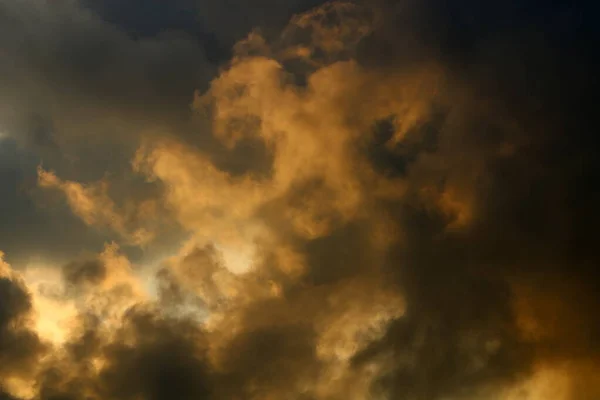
x=354 y=223
x=87 y=79
x=92 y=204
x=147 y=356
x=20 y=346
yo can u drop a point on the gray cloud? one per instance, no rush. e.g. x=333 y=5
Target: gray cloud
x=20 y=347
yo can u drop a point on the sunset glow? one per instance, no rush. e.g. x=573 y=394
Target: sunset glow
x=298 y=199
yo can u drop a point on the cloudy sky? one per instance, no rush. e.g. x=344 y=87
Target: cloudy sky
x=298 y=199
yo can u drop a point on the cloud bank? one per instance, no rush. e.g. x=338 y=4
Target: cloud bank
x=372 y=201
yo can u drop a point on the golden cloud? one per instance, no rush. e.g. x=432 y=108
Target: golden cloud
x=378 y=255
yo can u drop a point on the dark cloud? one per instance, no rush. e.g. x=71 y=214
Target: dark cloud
x=234 y=19
x=6 y=396
x=20 y=346
x=72 y=63
x=148 y=357
x=269 y=360
x=459 y=330
x=526 y=227
x=346 y=252
x=463 y=262
x=91 y=271
x=165 y=362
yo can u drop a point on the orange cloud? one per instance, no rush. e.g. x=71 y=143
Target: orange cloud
x=378 y=255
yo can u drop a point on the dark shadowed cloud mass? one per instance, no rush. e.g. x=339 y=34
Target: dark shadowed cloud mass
x=298 y=200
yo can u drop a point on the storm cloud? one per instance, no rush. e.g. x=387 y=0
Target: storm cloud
x=298 y=199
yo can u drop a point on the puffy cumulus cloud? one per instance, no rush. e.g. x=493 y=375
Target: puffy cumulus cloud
x=100 y=287
x=84 y=79
x=318 y=177
x=52 y=315
x=113 y=291
x=99 y=322
x=196 y=190
x=410 y=225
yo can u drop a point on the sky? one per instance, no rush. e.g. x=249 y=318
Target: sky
x=298 y=199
